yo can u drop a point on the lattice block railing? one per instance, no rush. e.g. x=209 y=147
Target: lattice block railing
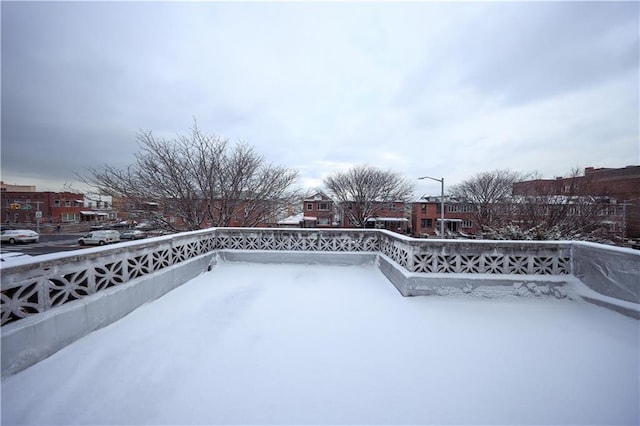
x=37 y=287
x=297 y=240
x=492 y=257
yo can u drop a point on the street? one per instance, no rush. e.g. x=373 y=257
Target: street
x=49 y=243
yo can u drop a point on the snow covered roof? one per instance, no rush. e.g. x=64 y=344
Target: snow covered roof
x=291 y=220
x=90 y=213
x=321 y=344
x=387 y=219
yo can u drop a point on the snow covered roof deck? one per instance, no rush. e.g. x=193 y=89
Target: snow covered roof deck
x=255 y=343
x=270 y=326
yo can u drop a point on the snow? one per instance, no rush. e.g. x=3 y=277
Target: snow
x=299 y=344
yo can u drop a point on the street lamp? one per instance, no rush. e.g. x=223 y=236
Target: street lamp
x=441 y=201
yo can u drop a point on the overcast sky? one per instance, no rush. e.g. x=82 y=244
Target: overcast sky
x=439 y=89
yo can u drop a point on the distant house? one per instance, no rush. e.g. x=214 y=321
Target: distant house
x=393 y=216
x=427 y=215
x=318 y=211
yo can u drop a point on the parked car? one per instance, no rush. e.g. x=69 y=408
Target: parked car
x=13 y=236
x=109 y=225
x=144 y=226
x=99 y=238
x=132 y=234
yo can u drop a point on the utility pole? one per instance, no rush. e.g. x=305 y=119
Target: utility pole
x=38 y=216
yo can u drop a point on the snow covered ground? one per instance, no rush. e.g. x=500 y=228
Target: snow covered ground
x=313 y=344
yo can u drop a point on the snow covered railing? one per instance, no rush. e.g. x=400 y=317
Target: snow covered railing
x=52 y=300
x=47 y=282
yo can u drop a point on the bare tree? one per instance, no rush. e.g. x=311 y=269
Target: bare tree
x=202 y=179
x=564 y=208
x=489 y=194
x=364 y=191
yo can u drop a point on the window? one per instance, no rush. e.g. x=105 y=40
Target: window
x=309 y=206
x=28 y=217
x=56 y=203
x=323 y=221
x=426 y=223
x=69 y=217
x=67 y=203
x=423 y=208
x=323 y=206
x=467 y=224
x=459 y=208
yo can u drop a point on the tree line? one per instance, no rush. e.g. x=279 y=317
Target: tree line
x=209 y=182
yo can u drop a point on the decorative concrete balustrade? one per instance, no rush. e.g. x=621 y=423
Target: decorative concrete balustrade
x=52 y=300
x=54 y=280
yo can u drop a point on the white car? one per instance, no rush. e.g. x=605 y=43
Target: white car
x=99 y=238
x=13 y=236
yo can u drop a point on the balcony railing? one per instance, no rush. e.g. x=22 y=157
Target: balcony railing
x=53 y=300
x=53 y=280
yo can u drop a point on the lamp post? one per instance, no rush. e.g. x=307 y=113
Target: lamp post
x=441 y=202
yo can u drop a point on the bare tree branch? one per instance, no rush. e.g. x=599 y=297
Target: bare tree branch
x=201 y=178
x=364 y=191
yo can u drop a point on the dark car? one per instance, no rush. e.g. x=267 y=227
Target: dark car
x=132 y=234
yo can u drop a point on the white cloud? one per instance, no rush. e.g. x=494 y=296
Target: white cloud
x=423 y=88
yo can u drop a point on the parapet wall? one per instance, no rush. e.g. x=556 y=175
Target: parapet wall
x=67 y=295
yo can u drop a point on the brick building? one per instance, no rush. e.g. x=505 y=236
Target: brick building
x=24 y=207
x=426 y=216
x=395 y=216
x=54 y=207
x=621 y=187
x=318 y=211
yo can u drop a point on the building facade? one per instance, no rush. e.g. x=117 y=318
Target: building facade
x=318 y=211
x=619 y=187
x=427 y=215
x=31 y=207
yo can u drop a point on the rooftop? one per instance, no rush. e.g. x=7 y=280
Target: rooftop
x=251 y=343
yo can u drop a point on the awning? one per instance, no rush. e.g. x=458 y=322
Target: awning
x=387 y=219
x=86 y=213
x=449 y=220
x=310 y=218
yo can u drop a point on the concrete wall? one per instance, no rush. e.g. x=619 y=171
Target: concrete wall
x=33 y=339
x=103 y=293
x=611 y=271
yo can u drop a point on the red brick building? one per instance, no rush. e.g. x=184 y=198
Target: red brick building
x=318 y=211
x=426 y=216
x=53 y=207
x=394 y=217
x=621 y=186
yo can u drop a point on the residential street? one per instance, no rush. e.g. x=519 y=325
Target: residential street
x=49 y=243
